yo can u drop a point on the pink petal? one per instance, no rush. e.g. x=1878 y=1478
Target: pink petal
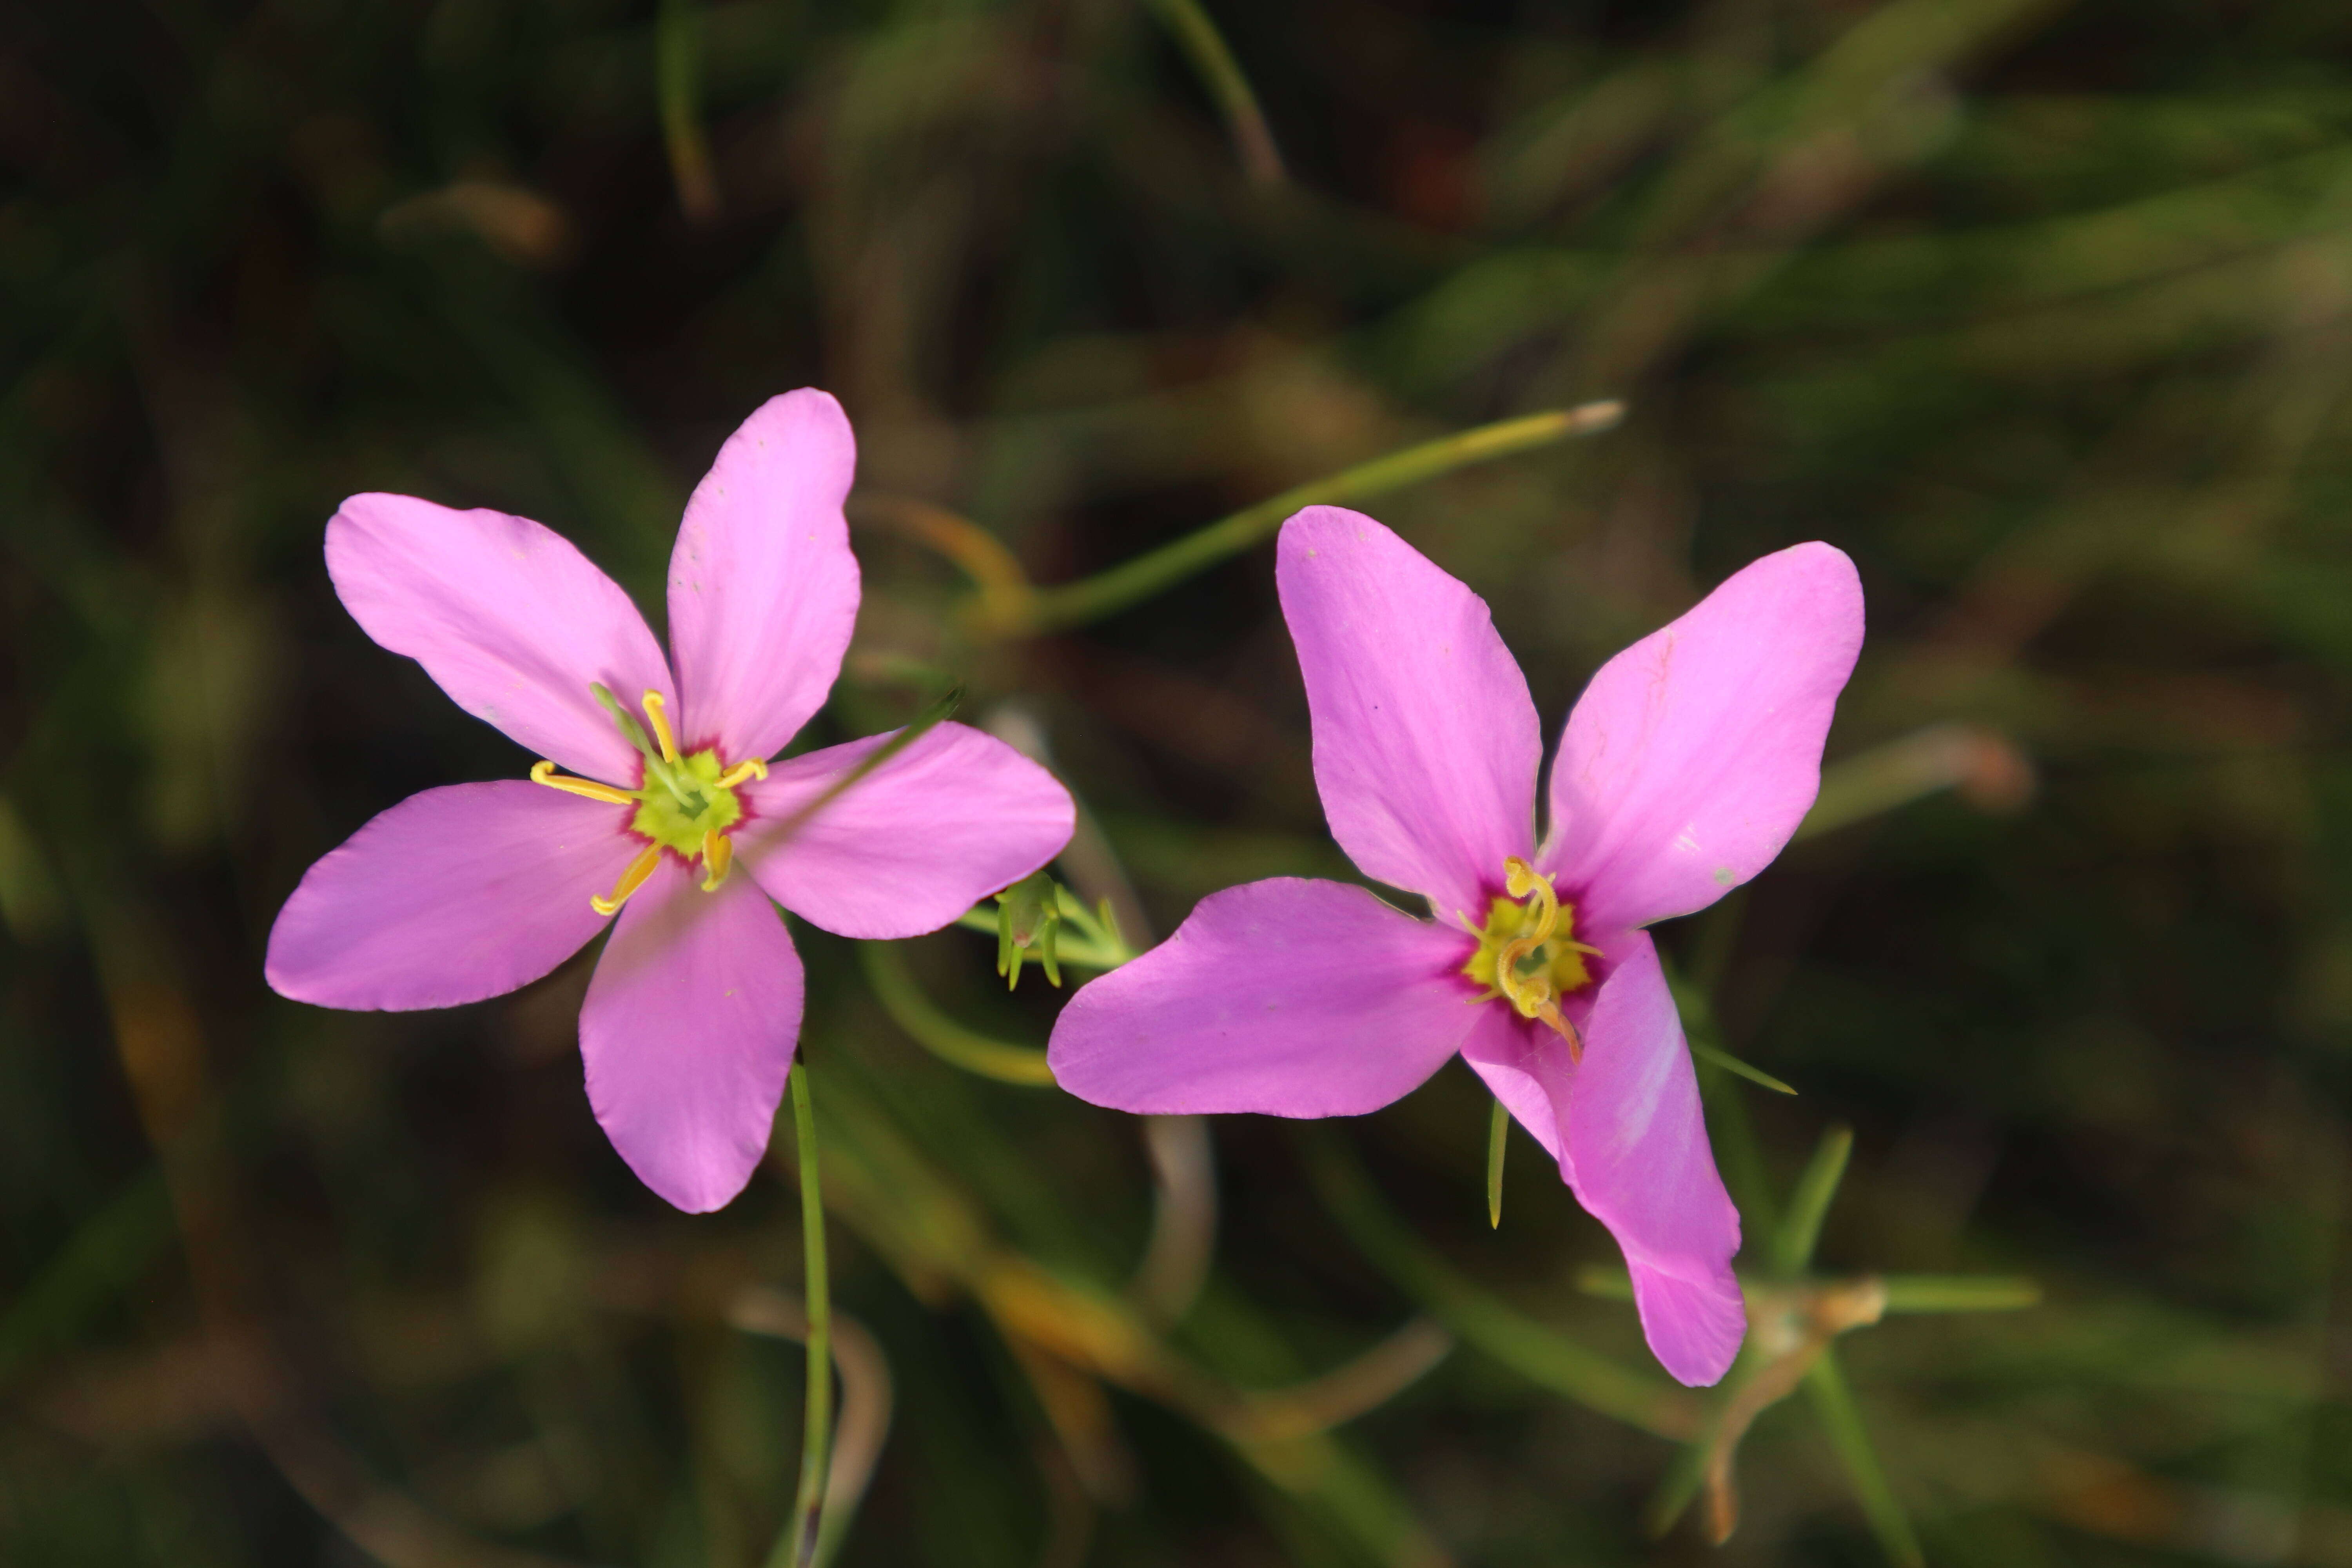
x=763 y=587
x=1524 y=1066
x=1693 y=754
x=1425 y=739
x=1288 y=996
x=952 y=818
x=513 y=621
x=453 y=895
x=1636 y=1153
x=688 y=1033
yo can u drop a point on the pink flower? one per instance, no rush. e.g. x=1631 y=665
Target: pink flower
x=466 y=892
x=1685 y=765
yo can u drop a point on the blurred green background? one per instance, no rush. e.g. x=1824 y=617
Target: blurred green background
x=2041 y=312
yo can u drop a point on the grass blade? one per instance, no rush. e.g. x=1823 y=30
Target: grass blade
x=1833 y=1401
x=1792 y=1245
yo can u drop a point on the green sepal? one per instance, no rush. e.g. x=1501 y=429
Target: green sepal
x=1028 y=914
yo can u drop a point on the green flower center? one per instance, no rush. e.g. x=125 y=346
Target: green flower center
x=1528 y=954
x=684 y=804
x=684 y=800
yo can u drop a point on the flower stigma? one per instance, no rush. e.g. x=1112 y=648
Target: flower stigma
x=684 y=803
x=1526 y=955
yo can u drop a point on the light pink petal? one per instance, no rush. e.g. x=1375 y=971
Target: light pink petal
x=1637 y=1155
x=1425 y=739
x=1524 y=1066
x=1693 y=754
x=513 y=621
x=688 y=1033
x=453 y=895
x=954 y=817
x=1290 y=997
x=763 y=587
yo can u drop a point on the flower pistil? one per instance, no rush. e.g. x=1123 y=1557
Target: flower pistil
x=1526 y=955
x=684 y=803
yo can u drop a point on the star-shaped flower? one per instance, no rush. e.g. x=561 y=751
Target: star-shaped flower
x=471 y=890
x=1685 y=767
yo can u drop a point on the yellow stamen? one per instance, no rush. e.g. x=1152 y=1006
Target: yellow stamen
x=754 y=769
x=1542 y=927
x=631 y=880
x=717 y=854
x=1547 y=1012
x=657 y=711
x=544 y=772
x=1527 y=994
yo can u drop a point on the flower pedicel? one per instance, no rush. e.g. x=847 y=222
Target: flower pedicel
x=668 y=821
x=1685 y=765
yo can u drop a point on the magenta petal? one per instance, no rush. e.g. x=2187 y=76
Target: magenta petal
x=1636 y=1154
x=688 y=1033
x=1693 y=754
x=1425 y=738
x=453 y=895
x=1695 y=1323
x=954 y=817
x=763 y=587
x=1288 y=996
x=513 y=621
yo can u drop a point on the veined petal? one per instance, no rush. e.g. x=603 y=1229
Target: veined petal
x=763 y=587
x=1288 y=996
x=511 y=621
x=1631 y=1141
x=1693 y=754
x=688 y=1033
x=454 y=895
x=952 y=818
x=1425 y=739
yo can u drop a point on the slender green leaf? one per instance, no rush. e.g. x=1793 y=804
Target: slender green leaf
x=1792 y=1244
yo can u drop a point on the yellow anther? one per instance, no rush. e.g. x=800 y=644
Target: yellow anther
x=544 y=772
x=717 y=854
x=631 y=880
x=754 y=769
x=657 y=712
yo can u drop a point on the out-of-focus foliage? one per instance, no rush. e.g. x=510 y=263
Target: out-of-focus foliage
x=2043 y=312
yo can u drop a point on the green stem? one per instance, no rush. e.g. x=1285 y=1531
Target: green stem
x=1090 y=598
x=1222 y=74
x=1833 y=1403
x=1958 y=1293
x=941 y=1034
x=797 y=1548
x=677 y=84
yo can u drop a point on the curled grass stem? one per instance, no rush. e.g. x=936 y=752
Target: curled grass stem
x=1131 y=581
